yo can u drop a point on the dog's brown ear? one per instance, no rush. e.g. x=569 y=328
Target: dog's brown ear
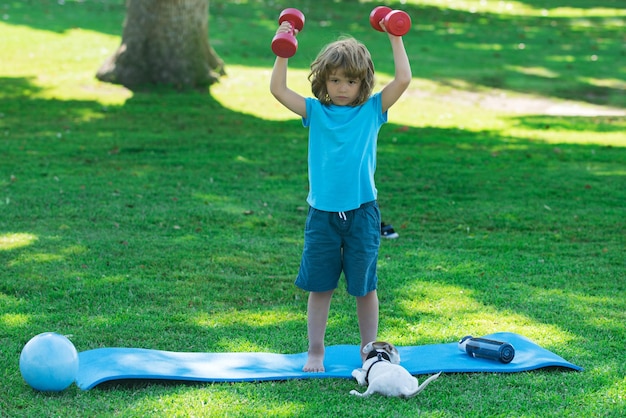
x=368 y=347
x=385 y=346
x=381 y=345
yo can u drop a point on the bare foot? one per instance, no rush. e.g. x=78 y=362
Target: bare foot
x=314 y=363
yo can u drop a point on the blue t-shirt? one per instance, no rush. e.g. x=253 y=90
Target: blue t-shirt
x=342 y=153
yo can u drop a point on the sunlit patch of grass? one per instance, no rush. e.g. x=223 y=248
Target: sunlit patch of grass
x=191 y=402
x=65 y=69
x=10 y=241
x=523 y=9
x=536 y=71
x=255 y=82
x=14 y=320
x=609 y=173
x=614 y=83
x=436 y=312
x=36 y=258
x=247 y=317
x=608 y=130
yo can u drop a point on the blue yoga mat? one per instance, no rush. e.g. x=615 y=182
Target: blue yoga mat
x=107 y=364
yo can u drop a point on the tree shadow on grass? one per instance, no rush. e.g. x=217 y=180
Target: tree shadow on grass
x=557 y=57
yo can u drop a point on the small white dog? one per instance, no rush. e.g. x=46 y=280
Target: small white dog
x=382 y=373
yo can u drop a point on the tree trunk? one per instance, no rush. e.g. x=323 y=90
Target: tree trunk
x=164 y=42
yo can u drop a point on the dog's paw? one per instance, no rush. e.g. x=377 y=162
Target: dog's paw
x=355 y=393
x=359 y=375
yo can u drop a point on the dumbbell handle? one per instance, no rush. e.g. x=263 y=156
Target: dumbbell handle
x=396 y=22
x=294 y=16
x=285 y=44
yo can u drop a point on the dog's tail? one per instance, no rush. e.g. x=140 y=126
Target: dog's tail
x=423 y=385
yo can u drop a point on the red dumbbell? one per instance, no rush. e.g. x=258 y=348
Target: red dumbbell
x=285 y=45
x=397 y=22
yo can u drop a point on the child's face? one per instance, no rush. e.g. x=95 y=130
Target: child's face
x=342 y=90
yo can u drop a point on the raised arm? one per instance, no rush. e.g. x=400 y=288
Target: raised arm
x=278 y=84
x=392 y=91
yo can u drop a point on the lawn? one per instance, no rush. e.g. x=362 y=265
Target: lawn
x=173 y=220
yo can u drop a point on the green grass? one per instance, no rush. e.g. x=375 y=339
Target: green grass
x=174 y=220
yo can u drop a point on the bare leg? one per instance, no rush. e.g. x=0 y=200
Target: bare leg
x=317 y=313
x=367 y=311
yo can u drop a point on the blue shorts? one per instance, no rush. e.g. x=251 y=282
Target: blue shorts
x=341 y=241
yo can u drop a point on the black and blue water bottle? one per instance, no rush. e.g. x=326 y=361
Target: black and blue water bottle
x=488 y=349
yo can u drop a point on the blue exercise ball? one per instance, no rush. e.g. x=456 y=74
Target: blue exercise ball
x=49 y=362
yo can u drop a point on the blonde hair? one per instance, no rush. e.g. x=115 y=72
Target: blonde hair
x=353 y=58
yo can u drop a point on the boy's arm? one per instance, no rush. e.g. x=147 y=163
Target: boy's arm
x=392 y=91
x=278 y=83
x=278 y=87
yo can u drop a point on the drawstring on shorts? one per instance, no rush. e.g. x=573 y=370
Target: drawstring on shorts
x=342 y=215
